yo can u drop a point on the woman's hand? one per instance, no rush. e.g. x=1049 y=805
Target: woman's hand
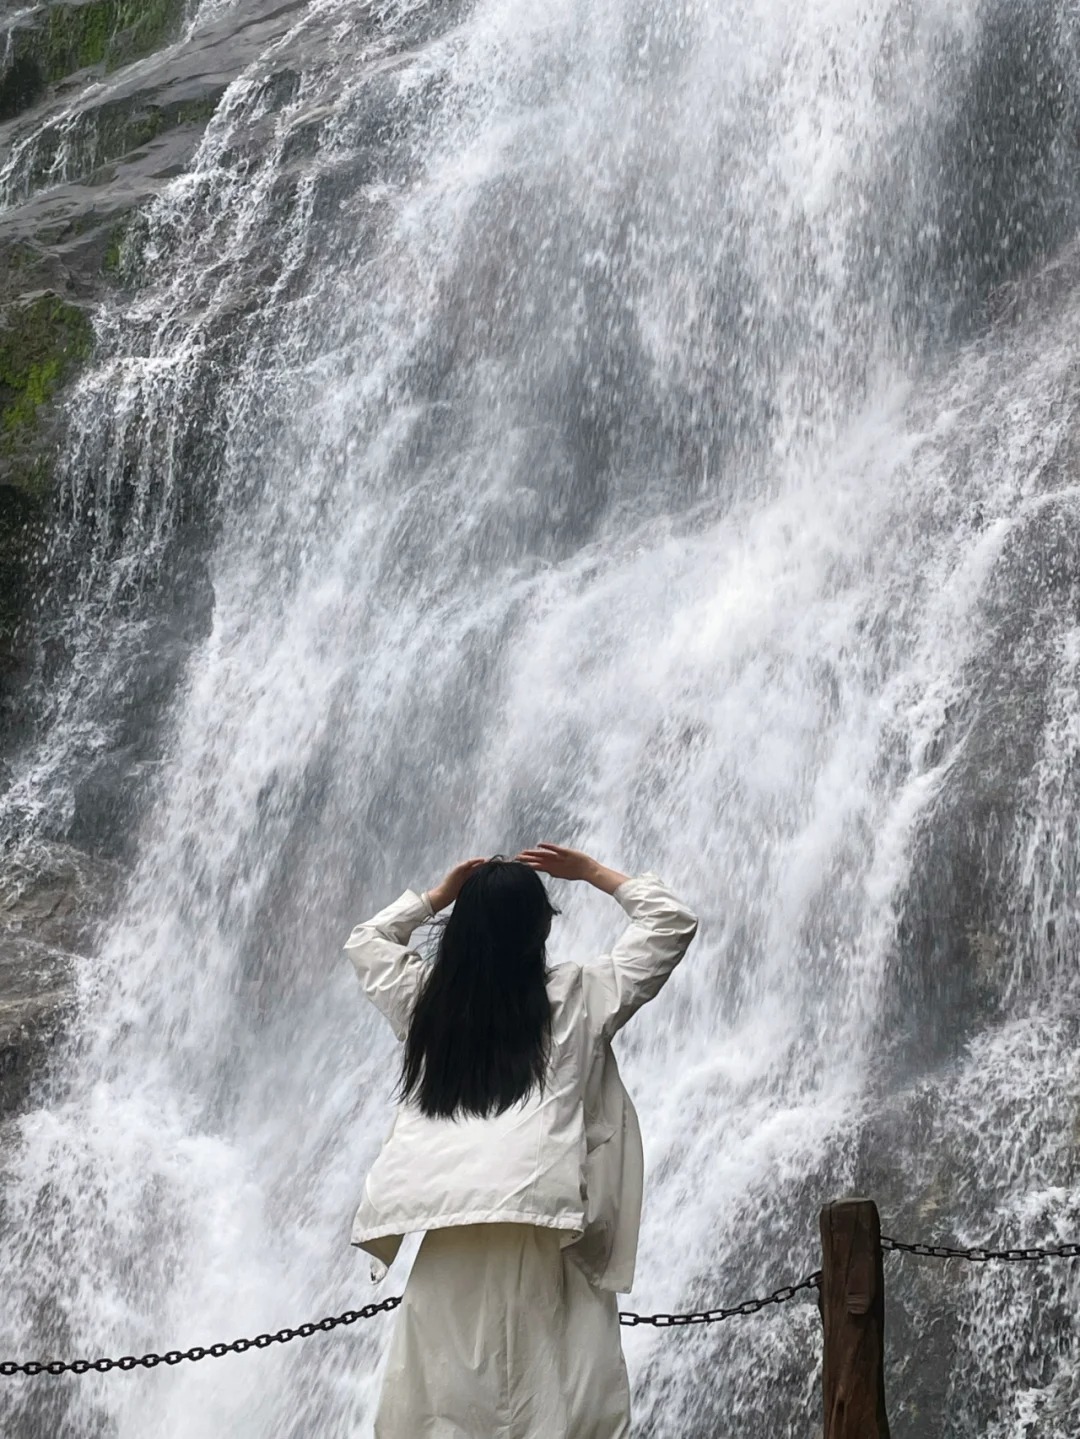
x=448 y=889
x=563 y=863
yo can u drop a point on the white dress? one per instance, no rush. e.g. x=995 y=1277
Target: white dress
x=501 y=1336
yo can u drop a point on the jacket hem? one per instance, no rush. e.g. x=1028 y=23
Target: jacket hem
x=570 y=1224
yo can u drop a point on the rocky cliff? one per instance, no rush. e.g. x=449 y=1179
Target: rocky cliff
x=102 y=102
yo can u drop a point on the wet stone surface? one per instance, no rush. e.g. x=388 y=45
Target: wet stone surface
x=80 y=154
x=102 y=103
x=51 y=901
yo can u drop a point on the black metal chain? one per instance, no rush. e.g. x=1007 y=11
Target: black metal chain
x=212 y=1351
x=659 y=1321
x=714 y=1316
x=34 y=1367
x=979 y=1255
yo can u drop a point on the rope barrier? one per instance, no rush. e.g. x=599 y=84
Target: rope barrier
x=786 y=1292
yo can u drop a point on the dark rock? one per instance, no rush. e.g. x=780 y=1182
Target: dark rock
x=21 y=535
x=51 y=902
x=56 y=895
x=22 y=85
x=1035 y=292
x=107 y=796
x=122 y=139
x=43 y=338
x=961 y=932
x=36 y=994
x=126 y=132
x=49 y=42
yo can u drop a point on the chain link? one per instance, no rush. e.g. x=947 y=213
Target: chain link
x=979 y=1255
x=714 y=1316
x=210 y=1351
x=782 y=1295
x=34 y=1367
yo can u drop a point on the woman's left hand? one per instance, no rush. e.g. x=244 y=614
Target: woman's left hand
x=448 y=889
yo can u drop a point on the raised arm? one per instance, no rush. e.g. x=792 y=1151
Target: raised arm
x=389 y=970
x=660 y=930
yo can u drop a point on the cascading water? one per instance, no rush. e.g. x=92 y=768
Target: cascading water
x=579 y=422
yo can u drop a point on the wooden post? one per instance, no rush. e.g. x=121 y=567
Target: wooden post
x=853 y=1315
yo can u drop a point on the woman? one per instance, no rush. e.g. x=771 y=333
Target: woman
x=515 y=1148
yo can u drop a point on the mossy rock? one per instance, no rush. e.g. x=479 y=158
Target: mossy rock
x=43 y=338
x=22 y=84
x=66 y=36
x=22 y=531
x=113 y=262
x=75 y=36
x=40 y=340
x=122 y=263
x=108 y=32
x=142 y=26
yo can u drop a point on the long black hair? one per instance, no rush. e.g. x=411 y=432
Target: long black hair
x=480 y=1029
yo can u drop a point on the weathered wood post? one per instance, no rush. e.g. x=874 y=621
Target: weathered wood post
x=853 y=1315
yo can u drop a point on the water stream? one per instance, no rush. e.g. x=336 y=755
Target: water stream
x=623 y=424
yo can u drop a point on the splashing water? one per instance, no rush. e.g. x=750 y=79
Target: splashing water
x=580 y=423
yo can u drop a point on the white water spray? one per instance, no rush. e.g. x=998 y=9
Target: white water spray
x=548 y=382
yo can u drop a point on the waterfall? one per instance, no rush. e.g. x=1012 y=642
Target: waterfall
x=644 y=427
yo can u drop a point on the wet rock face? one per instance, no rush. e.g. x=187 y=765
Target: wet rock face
x=51 y=901
x=48 y=287
x=971 y=922
x=48 y=42
x=44 y=336
x=87 y=139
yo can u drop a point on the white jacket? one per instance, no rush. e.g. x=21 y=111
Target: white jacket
x=568 y=1158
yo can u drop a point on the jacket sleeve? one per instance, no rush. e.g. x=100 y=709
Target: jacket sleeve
x=389 y=970
x=659 y=934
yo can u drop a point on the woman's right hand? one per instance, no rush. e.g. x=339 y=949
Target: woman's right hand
x=448 y=889
x=563 y=863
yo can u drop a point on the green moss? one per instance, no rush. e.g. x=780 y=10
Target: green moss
x=19 y=261
x=114 y=251
x=109 y=32
x=76 y=36
x=120 y=263
x=147 y=126
x=39 y=383
x=142 y=25
x=197 y=112
x=64 y=37
x=40 y=342
x=43 y=339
